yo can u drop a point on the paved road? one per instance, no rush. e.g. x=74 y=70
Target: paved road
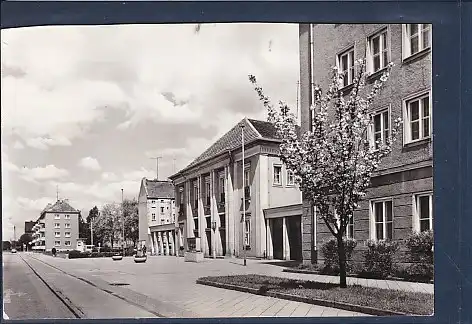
x=25 y=296
x=167 y=285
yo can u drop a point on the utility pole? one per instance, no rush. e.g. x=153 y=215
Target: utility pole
x=91 y=230
x=244 y=195
x=157 y=165
x=57 y=192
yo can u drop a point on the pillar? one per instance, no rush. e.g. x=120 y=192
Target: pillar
x=270 y=246
x=161 y=243
x=201 y=217
x=213 y=214
x=172 y=241
x=286 y=243
x=153 y=243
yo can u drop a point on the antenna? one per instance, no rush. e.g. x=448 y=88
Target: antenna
x=157 y=165
x=57 y=192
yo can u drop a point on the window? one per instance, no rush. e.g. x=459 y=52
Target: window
x=382 y=217
x=417 y=118
x=195 y=195
x=247 y=182
x=416 y=38
x=277 y=175
x=380 y=132
x=207 y=191
x=162 y=201
x=162 y=210
x=57 y=225
x=423 y=212
x=162 y=220
x=67 y=217
x=345 y=63
x=290 y=178
x=67 y=225
x=67 y=243
x=57 y=234
x=153 y=202
x=222 y=188
x=153 y=217
x=57 y=216
x=247 y=233
x=57 y=243
x=350 y=228
x=378 y=55
x=67 y=234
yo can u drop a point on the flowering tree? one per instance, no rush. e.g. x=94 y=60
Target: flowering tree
x=334 y=161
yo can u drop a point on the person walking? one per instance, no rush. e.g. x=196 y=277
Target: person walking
x=144 y=250
x=54 y=251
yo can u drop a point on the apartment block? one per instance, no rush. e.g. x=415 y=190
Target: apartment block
x=229 y=207
x=400 y=198
x=157 y=220
x=57 y=227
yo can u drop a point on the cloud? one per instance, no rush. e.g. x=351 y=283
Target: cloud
x=42 y=143
x=48 y=172
x=18 y=145
x=36 y=205
x=89 y=163
x=109 y=176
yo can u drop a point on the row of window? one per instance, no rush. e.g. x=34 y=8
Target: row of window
x=58 y=225
x=277 y=176
x=58 y=216
x=382 y=217
x=163 y=220
x=58 y=243
x=415 y=38
x=162 y=201
x=58 y=234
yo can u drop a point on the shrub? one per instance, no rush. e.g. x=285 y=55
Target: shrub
x=378 y=259
x=77 y=254
x=330 y=253
x=420 y=254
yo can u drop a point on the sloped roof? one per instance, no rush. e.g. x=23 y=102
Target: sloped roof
x=253 y=129
x=60 y=206
x=159 y=188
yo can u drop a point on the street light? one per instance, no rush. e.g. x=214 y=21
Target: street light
x=123 y=217
x=244 y=194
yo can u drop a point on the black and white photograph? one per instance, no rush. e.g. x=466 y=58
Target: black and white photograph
x=217 y=170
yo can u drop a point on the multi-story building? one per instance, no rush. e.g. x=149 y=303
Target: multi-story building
x=399 y=200
x=157 y=221
x=210 y=191
x=57 y=226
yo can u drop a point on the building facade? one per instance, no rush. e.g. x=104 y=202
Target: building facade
x=157 y=220
x=399 y=200
x=57 y=227
x=211 y=196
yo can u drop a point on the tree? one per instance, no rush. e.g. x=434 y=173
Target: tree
x=334 y=162
x=25 y=239
x=93 y=214
x=108 y=225
x=6 y=245
x=84 y=229
x=130 y=209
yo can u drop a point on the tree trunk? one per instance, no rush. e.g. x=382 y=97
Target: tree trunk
x=342 y=262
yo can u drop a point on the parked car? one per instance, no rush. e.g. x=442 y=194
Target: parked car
x=13 y=250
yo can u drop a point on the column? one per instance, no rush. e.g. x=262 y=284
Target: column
x=201 y=220
x=213 y=214
x=228 y=196
x=161 y=243
x=270 y=246
x=153 y=243
x=172 y=241
x=286 y=243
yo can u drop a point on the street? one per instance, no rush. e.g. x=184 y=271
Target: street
x=161 y=287
x=25 y=296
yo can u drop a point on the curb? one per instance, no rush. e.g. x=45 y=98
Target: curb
x=313 y=301
x=317 y=273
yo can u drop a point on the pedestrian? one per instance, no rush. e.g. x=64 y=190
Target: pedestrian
x=54 y=251
x=144 y=250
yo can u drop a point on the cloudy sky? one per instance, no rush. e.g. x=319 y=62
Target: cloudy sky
x=85 y=108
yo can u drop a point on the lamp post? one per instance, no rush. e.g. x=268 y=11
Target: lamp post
x=244 y=195
x=123 y=218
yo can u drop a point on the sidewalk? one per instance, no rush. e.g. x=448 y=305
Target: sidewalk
x=171 y=280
